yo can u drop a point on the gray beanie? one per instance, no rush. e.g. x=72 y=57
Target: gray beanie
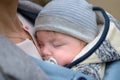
x=72 y=17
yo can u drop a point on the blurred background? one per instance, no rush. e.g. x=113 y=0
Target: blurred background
x=111 y=6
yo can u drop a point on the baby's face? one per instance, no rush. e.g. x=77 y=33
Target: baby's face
x=62 y=47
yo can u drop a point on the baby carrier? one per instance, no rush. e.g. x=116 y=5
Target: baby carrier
x=109 y=35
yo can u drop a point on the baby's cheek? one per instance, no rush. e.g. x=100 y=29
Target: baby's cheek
x=62 y=61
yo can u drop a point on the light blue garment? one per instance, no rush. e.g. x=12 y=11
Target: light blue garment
x=112 y=71
x=60 y=73
x=56 y=72
x=113 y=68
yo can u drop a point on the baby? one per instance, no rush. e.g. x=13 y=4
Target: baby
x=58 y=47
x=63 y=28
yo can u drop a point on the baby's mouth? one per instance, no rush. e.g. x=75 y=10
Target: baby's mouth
x=51 y=60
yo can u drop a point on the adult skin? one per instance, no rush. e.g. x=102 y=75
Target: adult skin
x=14 y=63
x=10 y=25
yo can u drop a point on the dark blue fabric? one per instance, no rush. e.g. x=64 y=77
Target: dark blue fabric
x=28 y=15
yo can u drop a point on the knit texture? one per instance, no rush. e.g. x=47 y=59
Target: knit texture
x=72 y=17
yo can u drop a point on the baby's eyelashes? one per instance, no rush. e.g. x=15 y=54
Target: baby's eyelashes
x=57 y=45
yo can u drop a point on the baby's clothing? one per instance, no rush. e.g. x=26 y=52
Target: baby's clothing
x=30 y=47
x=108 y=51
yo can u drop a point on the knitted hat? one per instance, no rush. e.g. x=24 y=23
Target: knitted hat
x=72 y=17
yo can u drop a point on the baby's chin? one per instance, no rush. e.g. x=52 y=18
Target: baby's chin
x=51 y=60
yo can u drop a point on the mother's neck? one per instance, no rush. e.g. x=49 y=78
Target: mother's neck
x=8 y=8
x=8 y=16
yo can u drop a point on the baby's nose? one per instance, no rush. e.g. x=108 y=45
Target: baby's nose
x=45 y=52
